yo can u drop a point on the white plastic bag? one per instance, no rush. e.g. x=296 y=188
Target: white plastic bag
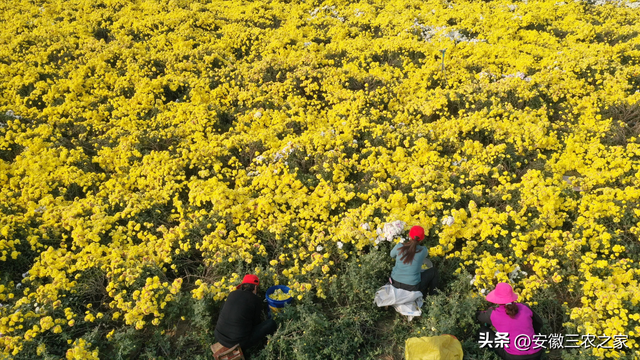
x=405 y=302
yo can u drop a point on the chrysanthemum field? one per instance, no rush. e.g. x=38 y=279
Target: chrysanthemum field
x=153 y=152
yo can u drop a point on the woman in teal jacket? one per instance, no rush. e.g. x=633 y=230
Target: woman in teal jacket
x=407 y=274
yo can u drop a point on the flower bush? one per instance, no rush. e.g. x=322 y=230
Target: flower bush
x=152 y=152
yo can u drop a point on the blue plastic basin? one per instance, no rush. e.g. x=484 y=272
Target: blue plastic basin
x=277 y=305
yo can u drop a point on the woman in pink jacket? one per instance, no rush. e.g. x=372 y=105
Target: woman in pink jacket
x=515 y=322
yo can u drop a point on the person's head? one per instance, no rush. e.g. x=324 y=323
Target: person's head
x=503 y=295
x=250 y=282
x=249 y=287
x=409 y=249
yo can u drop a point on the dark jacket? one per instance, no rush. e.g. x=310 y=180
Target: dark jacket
x=239 y=315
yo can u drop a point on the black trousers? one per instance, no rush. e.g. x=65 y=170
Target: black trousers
x=429 y=282
x=258 y=337
x=502 y=353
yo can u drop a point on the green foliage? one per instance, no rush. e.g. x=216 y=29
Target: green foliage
x=185 y=339
x=342 y=326
x=454 y=312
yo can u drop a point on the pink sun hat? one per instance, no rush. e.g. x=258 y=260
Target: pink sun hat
x=502 y=294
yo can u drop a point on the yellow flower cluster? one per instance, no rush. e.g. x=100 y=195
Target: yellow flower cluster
x=141 y=140
x=151 y=299
x=279 y=295
x=80 y=351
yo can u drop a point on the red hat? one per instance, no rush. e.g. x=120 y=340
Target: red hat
x=249 y=279
x=416 y=231
x=502 y=294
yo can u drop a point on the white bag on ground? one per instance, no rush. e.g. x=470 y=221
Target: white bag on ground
x=405 y=302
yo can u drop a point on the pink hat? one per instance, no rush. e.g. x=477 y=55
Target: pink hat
x=502 y=294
